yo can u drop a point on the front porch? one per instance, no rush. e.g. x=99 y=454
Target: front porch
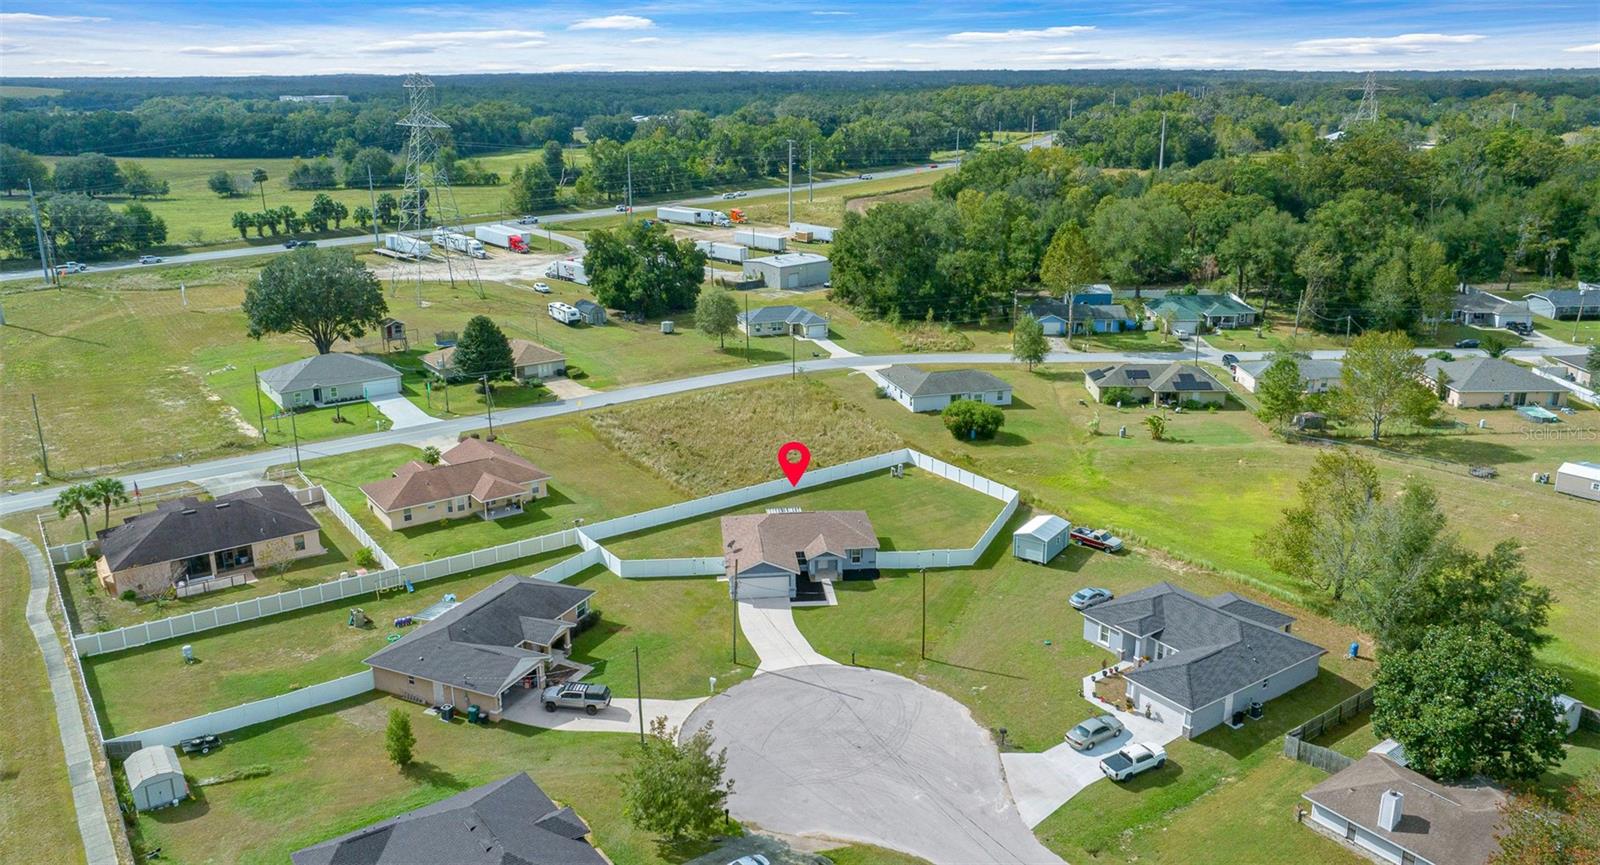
x=502 y=508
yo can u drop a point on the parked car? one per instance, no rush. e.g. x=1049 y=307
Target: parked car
x=307 y=244
x=1096 y=539
x=528 y=220
x=1132 y=760
x=933 y=165
x=290 y=244
x=752 y=859
x=621 y=208
x=76 y=267
x=1521 y=328
x=1230 y=361
x=1087 y=597
x=1092 y=732
x=542 y=287
x=577 y=695
x=200 y=744
x=1466 y=343
x=863 y=177
x=149 y=259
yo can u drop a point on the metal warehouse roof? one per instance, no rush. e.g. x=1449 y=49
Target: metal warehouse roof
x=334 y=369
x=790 y=259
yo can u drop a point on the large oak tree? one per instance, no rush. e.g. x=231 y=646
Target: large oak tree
x=324 y=295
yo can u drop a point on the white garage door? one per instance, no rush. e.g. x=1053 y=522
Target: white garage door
x=384 y=387
x=763 y=587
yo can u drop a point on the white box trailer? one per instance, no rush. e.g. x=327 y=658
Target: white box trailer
x=565 y=313
x=569 y=269
x=458 y=242
x=761 y=239
x=505 y=236
x=730 y=252
x=407 y=245
x=692 y=216
x=819 y=233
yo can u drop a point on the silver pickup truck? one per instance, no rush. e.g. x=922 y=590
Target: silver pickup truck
x=577 y=695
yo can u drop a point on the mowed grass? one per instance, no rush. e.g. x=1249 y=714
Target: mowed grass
x=590 y=482
x=827 y=205
x=330 y=776
x=36 y=810
x=920 y=511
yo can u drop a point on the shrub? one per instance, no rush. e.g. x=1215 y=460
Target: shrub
x=365 y=558
x=970 y=419
x=129 y=595
x=1117 y=396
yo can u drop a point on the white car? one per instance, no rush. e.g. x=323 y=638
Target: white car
x=752 y=859
x=1132 y=760
x=149 y=259
x=542 y=287
x=528 y=220
x=729 y=196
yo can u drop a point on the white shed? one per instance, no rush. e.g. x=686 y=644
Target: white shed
x=1571 y=712
x=1579 y=479
x=155 y=777
x=1041 y=538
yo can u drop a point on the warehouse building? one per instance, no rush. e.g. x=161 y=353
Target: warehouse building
x=791 y=270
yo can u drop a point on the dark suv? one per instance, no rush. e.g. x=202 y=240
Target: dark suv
x=577 y=695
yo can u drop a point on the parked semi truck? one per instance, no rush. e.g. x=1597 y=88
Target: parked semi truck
x=458 y=242
x=569 y=269
x=407 y=245
x=761 y=240
x=730 y=252
x=692 y=216
x=819 y=233
x=505 y=236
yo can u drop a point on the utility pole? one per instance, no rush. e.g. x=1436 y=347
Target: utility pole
x=1071 y=104
x=733 y=623
x=1582 y=293
x=294 y=429
x=791 y=181
x=373 y=197
x=793 y=343
x=747 y=327
x=38 y=233
x=1161 y=161
x=261 y=416
x=488 y=401
x=811 y=187
x=44 y=455
x=629 y=157
x=958 y=144
x=638 y=688
x=924 y=614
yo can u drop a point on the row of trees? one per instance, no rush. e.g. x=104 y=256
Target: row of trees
x=82 y=498
x=91 y=174
x=79 y=227
x=323 y=212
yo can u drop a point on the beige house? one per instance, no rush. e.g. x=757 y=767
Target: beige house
x=1486 y=382
x=186 y=542
x=474 y=478
x=1161 y=382
x=1575 y=367
x=499 y=645
x=530 y=361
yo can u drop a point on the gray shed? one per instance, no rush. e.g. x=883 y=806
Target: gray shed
x=155 y=777
x=1041 y=538
x=791 y=270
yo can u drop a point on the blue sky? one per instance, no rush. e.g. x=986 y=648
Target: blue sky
x=243 y=37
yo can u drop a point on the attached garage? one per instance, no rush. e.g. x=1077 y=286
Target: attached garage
x=765 y=582
x=155 y=778
x=381 y=388
x=1041 y=538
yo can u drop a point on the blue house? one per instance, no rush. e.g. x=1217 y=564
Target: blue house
x=1087 y=315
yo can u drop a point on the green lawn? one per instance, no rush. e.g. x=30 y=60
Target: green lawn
x=330 y=776
x=1582 y=333
x=1133 y=340
x=917 y=512
x=36 y=811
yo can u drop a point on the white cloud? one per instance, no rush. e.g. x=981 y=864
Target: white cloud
x=971 y=37
x=424 y=43
x=614 y=22
x=807 y=55
x=15 y=18
x=831 y=12
x=1584 y=49
x=1405 y=43
x=95 y=63
x=645 y=40
x=397 y=46
x=269 y=49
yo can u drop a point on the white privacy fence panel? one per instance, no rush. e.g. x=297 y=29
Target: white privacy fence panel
x=310 y=596
x=1585 y=394
x=570 y=567
x=349 y=522
x=704 y=566
x=248 y=714
x=63 y=553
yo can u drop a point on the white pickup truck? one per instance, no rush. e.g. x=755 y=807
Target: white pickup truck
x=1132 y=760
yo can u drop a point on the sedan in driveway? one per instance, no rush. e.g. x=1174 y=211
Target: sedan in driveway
x=1092 y=732
x=1085 y=598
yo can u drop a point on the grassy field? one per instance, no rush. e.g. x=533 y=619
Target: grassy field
x=36 y=811
x=330 y=776
x=917 y=512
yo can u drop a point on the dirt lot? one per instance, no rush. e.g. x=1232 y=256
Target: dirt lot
x=500 y=266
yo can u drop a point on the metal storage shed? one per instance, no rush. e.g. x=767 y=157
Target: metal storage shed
x=1579 y=479
x=155 y=777
x=1041 y=538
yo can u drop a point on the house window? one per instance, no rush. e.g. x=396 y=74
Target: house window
x=333 y=393
x=405 y=515
x=855 y=557
x=1406 y=858
x=1595 y=486
x=450 y=506
x=1104 y=636
x=411 y=680
x=299 y=543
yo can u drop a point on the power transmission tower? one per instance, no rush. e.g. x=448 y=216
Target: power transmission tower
x=791 y=181
x=426 y=184
x=1368 y=109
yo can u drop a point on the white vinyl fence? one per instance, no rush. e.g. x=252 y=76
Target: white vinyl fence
x=1555 y=375
x=310 y=596
x=704 y=566
x=63 y=553
x=248 y=714
x=355 y=529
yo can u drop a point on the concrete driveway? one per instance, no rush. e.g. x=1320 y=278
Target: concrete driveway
x=620 y=717
x=768 y=623
x=403 y=413
x=867 y=756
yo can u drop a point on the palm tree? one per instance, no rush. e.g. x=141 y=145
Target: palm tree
x=107 y=492
x=76 y=499
x=243 y=221
x=258 y=176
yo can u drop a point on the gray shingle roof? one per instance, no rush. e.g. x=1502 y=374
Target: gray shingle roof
x=335 y=369
x=1483 y=301
x=1444 y=823
x=1309 y=369
x=1570 y=297
x=505 y=822
x=1084 y=311
x=784 y=313
x=1223 y=644
x=920 y=382
x=186 y=527
x=475 y=645
x=1487 y=374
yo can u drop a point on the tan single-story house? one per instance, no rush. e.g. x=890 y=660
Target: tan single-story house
x=1575 y=367
x=785 y=554
x=1316 y=376
x=530 y=361
x=474 y=478
x=186 y=541
x=1162 y=382
x=1487 y=382
x=491 y=649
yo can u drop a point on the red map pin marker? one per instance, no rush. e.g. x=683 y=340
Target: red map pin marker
x=793 y=459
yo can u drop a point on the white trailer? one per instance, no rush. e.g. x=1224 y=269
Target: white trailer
x=505 y=236
x=565 y=313
x=569 y=269
x=730 y=252
x=761 y=239
x=692 y=216
x=819 y=233
x=415 y=247
x=458 y=242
